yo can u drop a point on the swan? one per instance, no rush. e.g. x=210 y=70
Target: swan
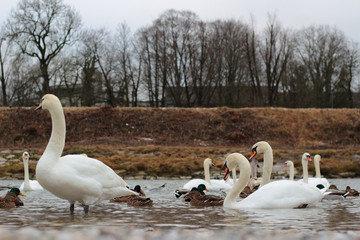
x=75 y=178
x=318 y=179
x=28 y=185
x=290 y=164
x=280 y=194
x=211 y=185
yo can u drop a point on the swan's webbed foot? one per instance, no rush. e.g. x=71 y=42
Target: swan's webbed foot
x=86 y=209
x=72 y=207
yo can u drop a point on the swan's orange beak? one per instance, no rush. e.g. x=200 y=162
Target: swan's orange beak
x=227 y=173
x=309 y=158
x=253 y=154
x=284 y=165
x=212 y=164
x=38 y=107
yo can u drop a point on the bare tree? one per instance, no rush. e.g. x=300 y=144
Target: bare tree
x=322 y=51
x=42 y=28
x=276 y=52
x=5 y=47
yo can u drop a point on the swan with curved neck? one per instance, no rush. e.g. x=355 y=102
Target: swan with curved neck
x=290 y=164
x=274 y=195
x=28 y=185
x=211 y=184
x=75 y=178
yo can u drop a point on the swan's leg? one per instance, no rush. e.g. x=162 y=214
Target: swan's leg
x=72 y=206
x=86 y=209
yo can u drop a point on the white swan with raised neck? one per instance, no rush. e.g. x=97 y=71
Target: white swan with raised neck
x=28 y=185
x=276 y=195
x=211 y=184
x=75 y=178
x=290 y=164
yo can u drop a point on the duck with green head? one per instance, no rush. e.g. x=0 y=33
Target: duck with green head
x=11 y=199
x=134 y=200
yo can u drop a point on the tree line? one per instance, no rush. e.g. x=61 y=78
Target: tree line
x=178 y=60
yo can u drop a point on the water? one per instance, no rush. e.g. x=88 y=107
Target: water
x=42 y=210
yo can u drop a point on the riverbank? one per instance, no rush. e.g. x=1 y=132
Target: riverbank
x=173 y=142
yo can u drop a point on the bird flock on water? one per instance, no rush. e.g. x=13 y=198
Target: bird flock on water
x=78 y=178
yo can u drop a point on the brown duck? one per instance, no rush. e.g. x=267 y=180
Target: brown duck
x=351 y=192
x=197 y=199
x=135 y=200
x=11 y=199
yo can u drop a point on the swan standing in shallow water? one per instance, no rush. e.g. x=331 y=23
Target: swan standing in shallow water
x=75 y=178
x=211 y=185
x=28 y=185
x=290 y=164
x=275 y=195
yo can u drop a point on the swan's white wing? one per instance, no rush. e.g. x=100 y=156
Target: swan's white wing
x=282 y=194
x=316 y=181
x=195 y=183
x=33 y=186
x=216 y=185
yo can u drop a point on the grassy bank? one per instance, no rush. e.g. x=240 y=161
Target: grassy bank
x=173 y=142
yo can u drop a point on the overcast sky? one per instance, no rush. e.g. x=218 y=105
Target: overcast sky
x=344 y=14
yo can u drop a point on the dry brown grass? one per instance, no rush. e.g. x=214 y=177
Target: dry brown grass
x=175 y=141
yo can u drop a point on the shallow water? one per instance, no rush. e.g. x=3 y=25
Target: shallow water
x=43 y=210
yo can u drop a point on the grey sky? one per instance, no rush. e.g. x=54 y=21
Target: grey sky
x=344 y=14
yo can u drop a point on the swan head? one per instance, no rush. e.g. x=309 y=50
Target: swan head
x=209 y=162
x=49 y=101
x=259 y=147
x=232 y=161
x=287 y=163
x=25 y=156
x=306 y=157
x=317 y=158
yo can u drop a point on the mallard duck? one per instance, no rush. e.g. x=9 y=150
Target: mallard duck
x=200 y=188
x=351 y=192
x=134 y=200
x=11 y=199
x=197 y=199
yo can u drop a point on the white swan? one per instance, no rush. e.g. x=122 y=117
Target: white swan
x=318 y=179
x=290 y=164
x=75 y=178
x=275 y=195
x=211 y=185
x=314 y=182
x=28 y=185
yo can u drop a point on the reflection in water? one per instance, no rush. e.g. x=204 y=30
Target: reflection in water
x=43 y=210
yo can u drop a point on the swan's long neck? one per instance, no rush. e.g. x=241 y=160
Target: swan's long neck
x=305 y=171
x=240 y=184
x=207 y=171
x=317 y=168
x=56 y=143
x=26 y=174
x=267 y=168
x=253 y=165
x=291 y=176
